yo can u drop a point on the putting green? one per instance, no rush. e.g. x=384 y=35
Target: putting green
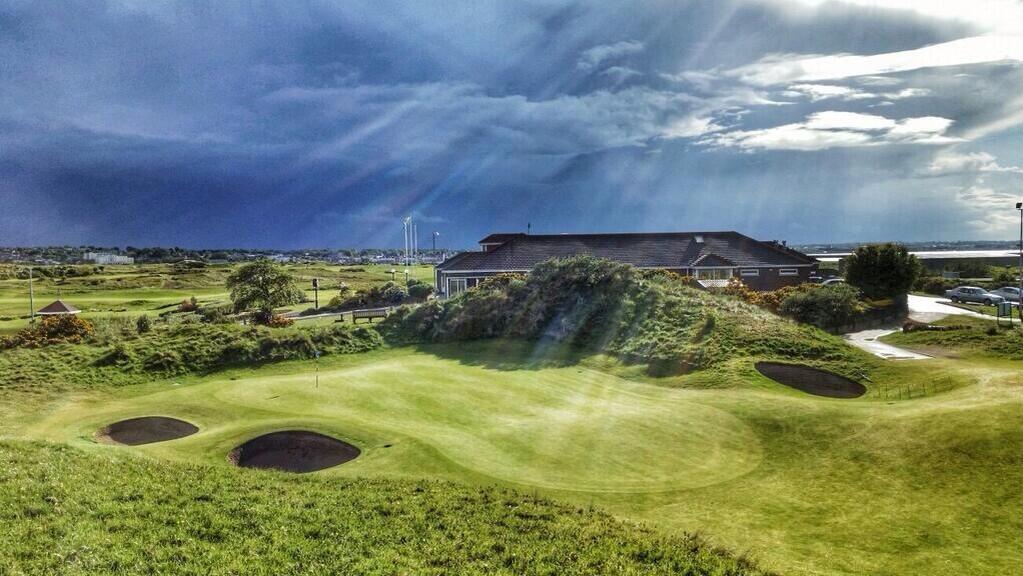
x=569 y=428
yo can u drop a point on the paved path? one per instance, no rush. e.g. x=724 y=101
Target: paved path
x=931 y=309
x=922 y=309
x=868 y=340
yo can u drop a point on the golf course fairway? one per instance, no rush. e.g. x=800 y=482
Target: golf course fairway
x=803 y=484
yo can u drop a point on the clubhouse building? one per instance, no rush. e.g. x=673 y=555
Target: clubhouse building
x=709 y=257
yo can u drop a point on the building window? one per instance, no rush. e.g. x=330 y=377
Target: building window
x=749 y=272
x=456 y=286
x=788 y=272
x=713 y=273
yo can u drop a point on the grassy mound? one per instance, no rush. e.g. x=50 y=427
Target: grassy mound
x=645 y=317
x=128 y=358
x=72 y=512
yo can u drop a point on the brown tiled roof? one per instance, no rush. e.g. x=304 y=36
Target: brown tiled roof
x=711 y=259
x=648 y=250
x=58 y=307
x=501 y=237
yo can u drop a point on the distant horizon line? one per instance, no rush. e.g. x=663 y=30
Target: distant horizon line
x=126 y=247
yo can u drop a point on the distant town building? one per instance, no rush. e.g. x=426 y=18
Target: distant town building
x=105 y=258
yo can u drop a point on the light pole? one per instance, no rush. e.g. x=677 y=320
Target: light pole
x=1019 y=303
x=31 y=298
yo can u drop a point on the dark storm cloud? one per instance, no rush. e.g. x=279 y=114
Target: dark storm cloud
x=321 y=123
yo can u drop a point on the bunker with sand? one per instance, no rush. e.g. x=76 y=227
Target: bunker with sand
x=811 y=380
x=293 y=451
x=145 y=430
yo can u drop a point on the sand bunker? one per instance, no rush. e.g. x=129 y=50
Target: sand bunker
x=811 y=380
x=146 y=430
x=293 y=451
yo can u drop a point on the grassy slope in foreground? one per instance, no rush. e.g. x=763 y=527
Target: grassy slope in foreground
x=64 y=511
x=806 y=485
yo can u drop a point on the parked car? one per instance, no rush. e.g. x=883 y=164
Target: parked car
x=973 y=294
x=1010 y=293
x=833 y=281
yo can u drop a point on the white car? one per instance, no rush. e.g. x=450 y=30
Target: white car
x=1010 y=293
x=973 y=294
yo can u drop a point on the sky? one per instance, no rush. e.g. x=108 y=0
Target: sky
x=287 y=124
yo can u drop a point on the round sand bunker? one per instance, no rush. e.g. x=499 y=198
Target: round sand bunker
x=293 y=451
x=811 y=380
x=146 y=430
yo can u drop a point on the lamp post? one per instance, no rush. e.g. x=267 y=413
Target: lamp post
x=1019 y=303
x=31 y=298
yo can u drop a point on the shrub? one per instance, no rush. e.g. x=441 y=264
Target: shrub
x=280 y=321
x=143 y=324
x=67 y=328
x=190 y=305
x=934 y=285
x=824 y=306
x=1004 y=275
x=163 y=360
x=420 y=291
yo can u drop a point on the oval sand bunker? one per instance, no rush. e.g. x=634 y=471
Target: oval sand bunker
x=293 y=451
x=811 y=380
x=146 y=430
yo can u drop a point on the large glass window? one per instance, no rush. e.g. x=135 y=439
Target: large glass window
x=713 y=273
x=456 y=286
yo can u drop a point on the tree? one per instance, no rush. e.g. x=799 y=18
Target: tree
x=822 y=306
x=262 y=286
x=882 y=270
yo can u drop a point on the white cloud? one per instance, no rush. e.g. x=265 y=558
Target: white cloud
x=987 y=211
x=946 y=162
x=878 y=81
x=849 y=120
x=419 y=120
x=988 y=15
x=831 y=129
x=791 y=68
x=592 y=57
x=620 y=74
x=817 y=92
x=690 y=127
x=906 y=93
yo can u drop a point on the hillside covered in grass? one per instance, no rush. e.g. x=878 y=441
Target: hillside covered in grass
x=649 y=317
x=66 y=511
x=116 y=354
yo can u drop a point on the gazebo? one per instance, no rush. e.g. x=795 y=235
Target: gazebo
x=57 y=308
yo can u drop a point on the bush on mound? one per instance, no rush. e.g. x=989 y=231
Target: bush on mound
x=599 y=305
x=51 y=330
x=173 y=350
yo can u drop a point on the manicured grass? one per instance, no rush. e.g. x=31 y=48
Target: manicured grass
x=66 y=511
x=925 y=484
x=975 y=338
x=153 y=288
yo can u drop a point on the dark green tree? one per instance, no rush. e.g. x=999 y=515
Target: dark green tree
x=262 y=286
x=882 y=270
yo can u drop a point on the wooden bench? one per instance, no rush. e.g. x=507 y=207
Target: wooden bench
x=370 y=314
